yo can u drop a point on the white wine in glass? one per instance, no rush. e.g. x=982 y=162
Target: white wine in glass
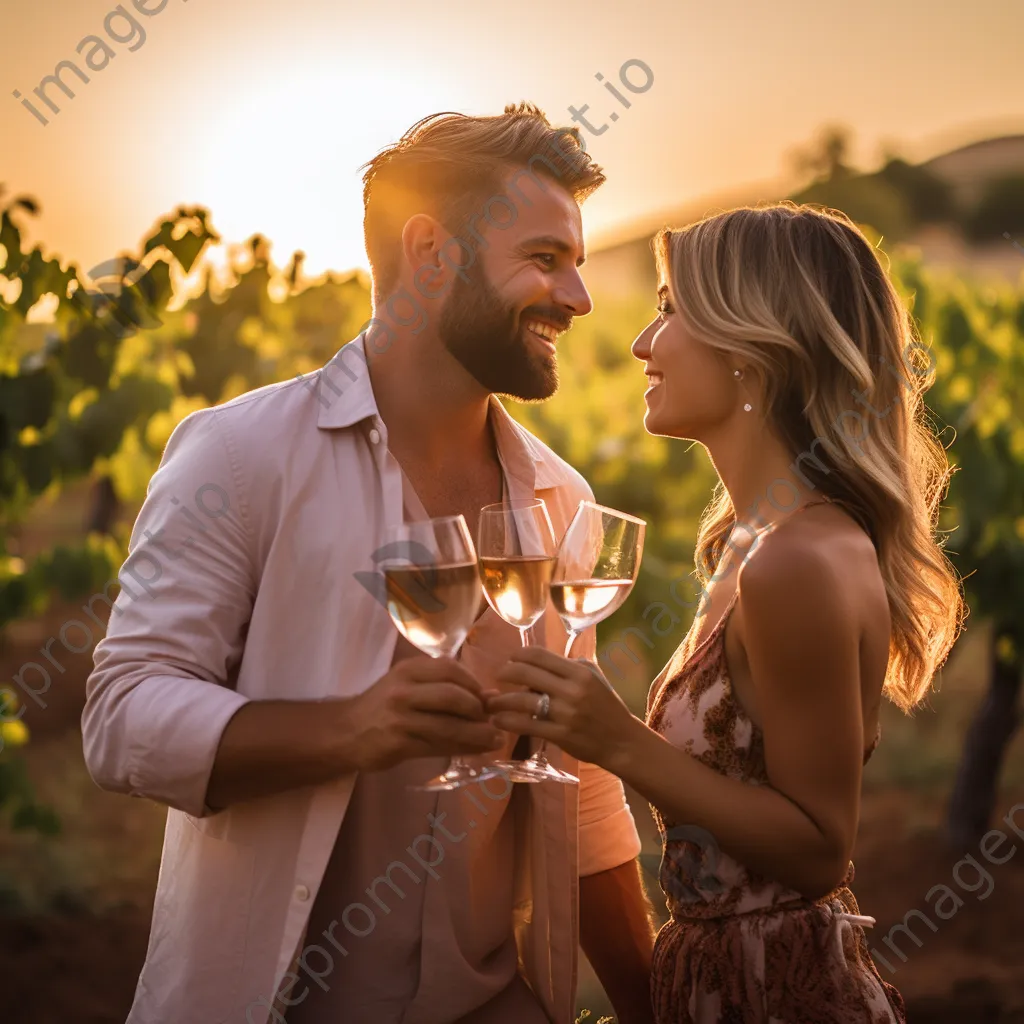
x=597 y=565
x=433 y=607
x=433 y=598
x=598 y=561
x=516 y=548
x=516 y=587
x=584 y=603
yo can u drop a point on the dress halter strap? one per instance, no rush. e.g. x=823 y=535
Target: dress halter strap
x=767 y=528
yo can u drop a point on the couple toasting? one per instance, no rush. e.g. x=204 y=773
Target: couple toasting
x=265 y=697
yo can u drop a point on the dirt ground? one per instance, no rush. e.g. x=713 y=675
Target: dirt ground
x=74 y=910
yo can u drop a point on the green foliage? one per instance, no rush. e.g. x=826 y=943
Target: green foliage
x=98 y=389
x=93 y=388
x=18 y=804
x=977 y=337
x=65 y=403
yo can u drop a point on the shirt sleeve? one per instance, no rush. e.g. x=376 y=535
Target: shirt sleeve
x=608 y=835
x=161 y=691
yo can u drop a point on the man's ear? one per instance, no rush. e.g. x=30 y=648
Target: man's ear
x=422 y=239
x=435 y=255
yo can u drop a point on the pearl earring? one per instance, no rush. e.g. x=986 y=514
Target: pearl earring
x=738 y=374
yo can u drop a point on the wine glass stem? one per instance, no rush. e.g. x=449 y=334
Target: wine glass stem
x=571 y=640
x=524 y=634
x=539 y=754
x=457 y=763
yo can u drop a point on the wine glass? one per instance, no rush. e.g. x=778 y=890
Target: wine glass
x=516 y=551
x=596 y=566
x=433 y=597
x=516 y=554
x=598 y=562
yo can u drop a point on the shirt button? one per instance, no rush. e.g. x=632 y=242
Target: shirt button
x=375 y=436
x=301 y=893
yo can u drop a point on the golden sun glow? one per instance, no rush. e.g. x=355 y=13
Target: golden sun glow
x=286 y=164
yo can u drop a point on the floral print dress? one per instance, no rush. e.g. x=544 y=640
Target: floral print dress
x=740 y=948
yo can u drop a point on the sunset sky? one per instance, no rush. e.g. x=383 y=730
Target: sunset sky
x=263 y=110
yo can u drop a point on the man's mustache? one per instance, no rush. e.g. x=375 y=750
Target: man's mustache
x=558 y=317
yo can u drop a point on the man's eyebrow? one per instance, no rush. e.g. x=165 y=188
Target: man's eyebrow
x=554 y=242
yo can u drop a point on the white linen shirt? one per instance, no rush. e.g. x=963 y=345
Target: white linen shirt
x=250 y=577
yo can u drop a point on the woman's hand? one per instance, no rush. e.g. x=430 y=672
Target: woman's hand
x=587 y=718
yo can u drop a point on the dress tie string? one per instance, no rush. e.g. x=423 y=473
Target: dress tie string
x=841 y=918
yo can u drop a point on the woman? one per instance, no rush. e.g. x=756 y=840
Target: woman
x=783 y=348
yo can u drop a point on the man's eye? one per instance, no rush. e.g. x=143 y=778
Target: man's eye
x=546 y=258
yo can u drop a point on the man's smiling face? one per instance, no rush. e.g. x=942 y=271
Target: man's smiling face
x=502 y=325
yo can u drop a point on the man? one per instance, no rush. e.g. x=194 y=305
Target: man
x=260 y=690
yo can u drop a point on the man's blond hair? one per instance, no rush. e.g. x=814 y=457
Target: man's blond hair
x=451 y=165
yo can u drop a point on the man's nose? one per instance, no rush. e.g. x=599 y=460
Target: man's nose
x=572 y=294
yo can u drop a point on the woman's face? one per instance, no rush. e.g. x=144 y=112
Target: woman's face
x=692 y=386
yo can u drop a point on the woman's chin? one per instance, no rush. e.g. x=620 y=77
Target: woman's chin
x=653 y=424
x=661 y=426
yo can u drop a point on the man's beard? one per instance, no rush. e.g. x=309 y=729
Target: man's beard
x=486 y=337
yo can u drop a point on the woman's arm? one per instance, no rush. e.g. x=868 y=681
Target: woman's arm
x=802 y=646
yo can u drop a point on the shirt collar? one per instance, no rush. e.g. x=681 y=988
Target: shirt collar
x=344 y=389
x=346 y=397
x=518 y=446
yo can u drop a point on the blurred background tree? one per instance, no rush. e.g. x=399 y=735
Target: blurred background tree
x=901 y=197
x=1000 y=210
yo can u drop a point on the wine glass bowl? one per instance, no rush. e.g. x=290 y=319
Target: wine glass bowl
x=516 y=552
x=597 y=564
x=432 y=590
x=517 y=588
x=584 y=603
x=433 y=607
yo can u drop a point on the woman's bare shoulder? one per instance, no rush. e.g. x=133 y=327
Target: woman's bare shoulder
x=821 y=555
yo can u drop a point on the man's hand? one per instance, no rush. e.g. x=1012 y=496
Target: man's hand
x=423 y=707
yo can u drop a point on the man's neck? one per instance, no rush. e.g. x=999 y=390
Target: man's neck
x=434 y=411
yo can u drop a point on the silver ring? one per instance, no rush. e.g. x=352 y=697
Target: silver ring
x=543 y=707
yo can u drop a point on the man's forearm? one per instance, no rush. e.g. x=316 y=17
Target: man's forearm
x=271 y=746
x=617 y=934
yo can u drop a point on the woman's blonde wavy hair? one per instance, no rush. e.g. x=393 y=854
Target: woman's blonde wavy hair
x=800 y=295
